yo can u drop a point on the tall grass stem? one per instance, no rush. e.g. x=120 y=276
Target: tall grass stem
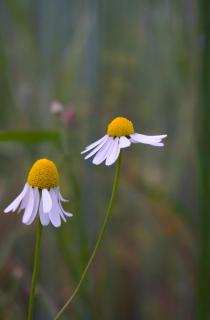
x=204 y=157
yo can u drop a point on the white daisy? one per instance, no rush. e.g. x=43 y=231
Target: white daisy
x=120 y=134
x=41 y=194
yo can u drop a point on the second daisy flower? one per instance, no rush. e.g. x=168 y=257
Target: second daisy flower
x=120 y=134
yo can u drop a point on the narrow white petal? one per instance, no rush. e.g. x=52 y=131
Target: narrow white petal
x=55 y=212
x=36 y=205
x=113 y=153
x=24 y=201
x=157 y=144
x=102 y=154
x=46 y=201
x=15 y=203
x=152 y=140
x=29 y=207
x=44 y=217
x=124 y=142
x=94 y=144
x=60 y=196
x=56 y=195
x=55 y=218
x=96 y=149
x=133 y=141
x=68 y=214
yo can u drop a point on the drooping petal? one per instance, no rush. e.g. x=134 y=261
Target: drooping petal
x=68 y=214
x=24 y=201
x=54 y=194
x=124 y=142
x=55 y=212
x=94 y=144
x=46 y=201
x=36 y=205
x=151 y=140
x=60 y=196
x=29 y=207
x=96 y=149
x=15 y=203
x=55 y=218
x=113 y=153
x=57 y=193
x=102 y=154
x=44 y=217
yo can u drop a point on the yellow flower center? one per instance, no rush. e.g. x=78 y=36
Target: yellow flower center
x=43 y=175
x=120 y=127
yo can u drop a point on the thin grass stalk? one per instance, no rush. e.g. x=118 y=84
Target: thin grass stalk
x=204 y=156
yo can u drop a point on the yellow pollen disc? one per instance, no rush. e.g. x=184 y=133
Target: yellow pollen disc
x=43 y=175
x=120 y=127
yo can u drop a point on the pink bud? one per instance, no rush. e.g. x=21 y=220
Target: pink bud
x=56 y=107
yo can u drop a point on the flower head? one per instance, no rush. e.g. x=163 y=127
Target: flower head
x=41 y=195
x=120 y=134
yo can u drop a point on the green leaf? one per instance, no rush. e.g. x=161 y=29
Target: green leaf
x=30 y=136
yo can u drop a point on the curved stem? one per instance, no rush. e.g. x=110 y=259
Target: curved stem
x=35 y=270
x=100 y=238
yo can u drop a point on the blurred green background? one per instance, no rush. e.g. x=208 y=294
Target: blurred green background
x=101 y=59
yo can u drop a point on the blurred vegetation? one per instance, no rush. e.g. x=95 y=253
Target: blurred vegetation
x=139 y=59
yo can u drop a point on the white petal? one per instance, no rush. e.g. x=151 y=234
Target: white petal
x=44 y=217
x=157 y=144
x=94 y=144
x=113 y=153
x=152 y=140
x=68 y=214
x=36 y=205
x=58 y=195
x=29 y=207
x=133 y=141
x=46 y=201
x=102 y=154
x=24 y=201
x=14 y=205
x=96 y=149
x=55 y=212
x=124 y=142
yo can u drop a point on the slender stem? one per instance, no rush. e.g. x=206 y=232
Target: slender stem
x=100 y=238
x=35 y=270
x=203 y=307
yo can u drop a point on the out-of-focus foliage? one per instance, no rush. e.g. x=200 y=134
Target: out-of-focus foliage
x=138 y=59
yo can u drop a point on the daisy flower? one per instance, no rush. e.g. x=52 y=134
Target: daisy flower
x=41 y=195
x=120 y=134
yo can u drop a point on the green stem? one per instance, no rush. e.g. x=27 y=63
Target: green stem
x=100 y=238
x=35 y=270
x=204 y=157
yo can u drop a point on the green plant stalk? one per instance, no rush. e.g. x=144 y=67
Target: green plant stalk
x=204 y=157
x=99 y=240
x=35 y=270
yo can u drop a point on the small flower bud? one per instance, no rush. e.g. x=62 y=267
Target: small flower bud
x=56 y=107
